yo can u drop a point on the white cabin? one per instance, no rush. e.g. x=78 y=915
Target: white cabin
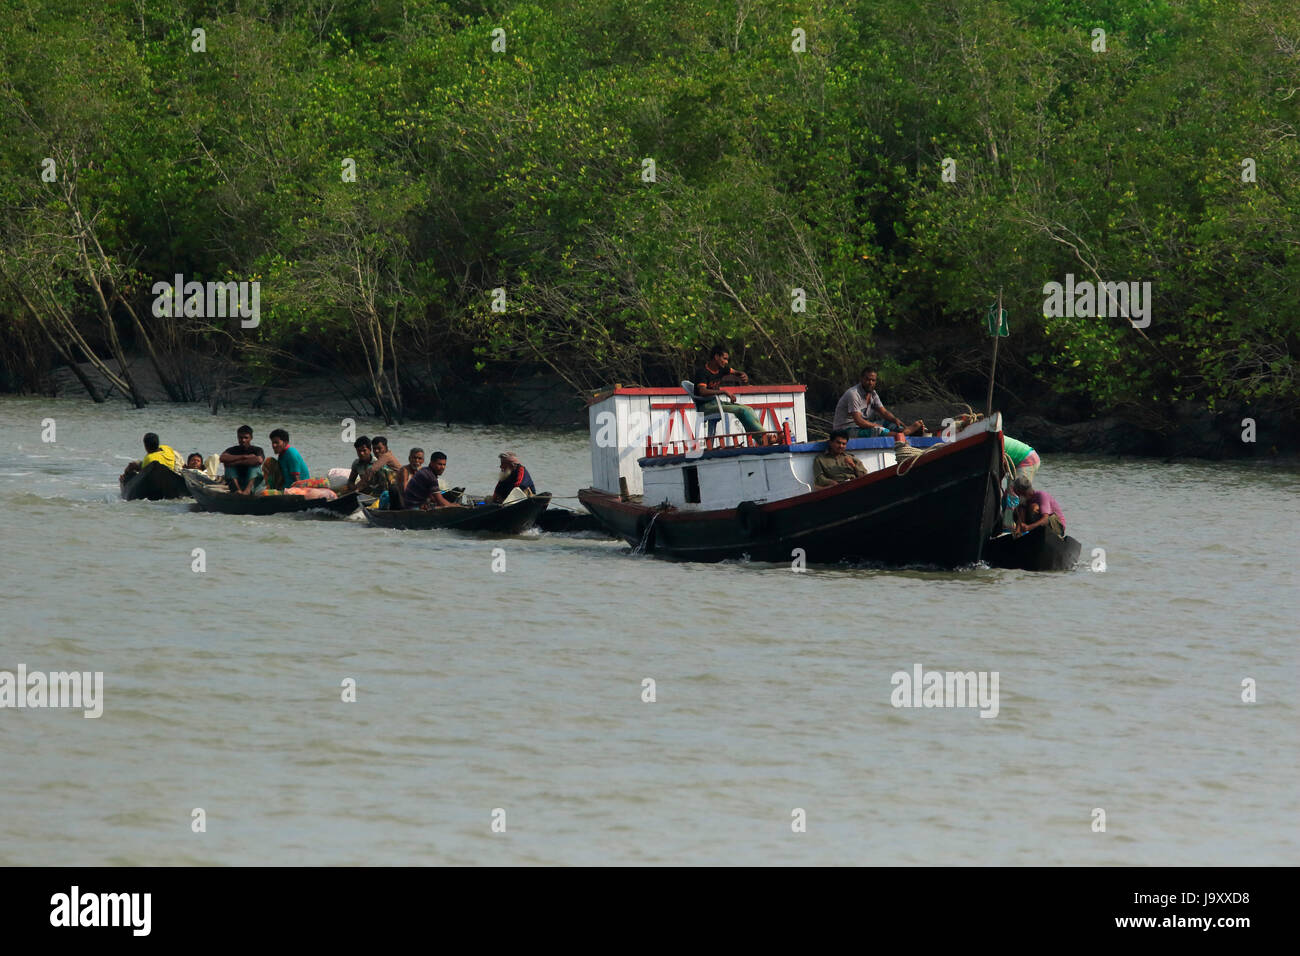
x=628 y=423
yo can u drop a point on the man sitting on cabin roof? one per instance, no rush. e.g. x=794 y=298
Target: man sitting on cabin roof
x=836 y=465
x=425 y=489
x=243 y=462
x=860 y=405
x=710 y=379
x=1036 y=508
x=154 y=451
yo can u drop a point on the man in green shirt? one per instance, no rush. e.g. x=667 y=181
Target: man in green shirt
x=1023 y=458
x=836 y=465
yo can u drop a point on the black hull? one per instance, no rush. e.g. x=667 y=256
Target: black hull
x=213 y=496
x=565 y=521
x=489 y=519
x=1039 y=550
x=155 y=483
x=940 y=513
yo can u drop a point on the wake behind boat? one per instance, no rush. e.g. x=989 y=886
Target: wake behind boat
x=213 y=495
x=490 y=518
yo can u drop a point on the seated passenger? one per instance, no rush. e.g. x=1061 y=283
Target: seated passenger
x=363 y=461
x=425 y=489
x=836 y=465
x=1036 y=508
x=414 y=462
x=291 y=467
x=381 y=474
x=243 y=462
x=860 y=406
x=195 y=461
x=513 y=475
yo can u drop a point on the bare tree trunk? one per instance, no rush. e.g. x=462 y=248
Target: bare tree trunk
x=60 y=348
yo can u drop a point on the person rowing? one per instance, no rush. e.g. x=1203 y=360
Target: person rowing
x=425 y=489
x=154 y=451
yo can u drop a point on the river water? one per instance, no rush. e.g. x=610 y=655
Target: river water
x=521 y=691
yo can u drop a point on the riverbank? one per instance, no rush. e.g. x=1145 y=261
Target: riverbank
x=1190 y=431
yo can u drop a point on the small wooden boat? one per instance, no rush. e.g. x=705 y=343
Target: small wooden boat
x=490 y=518
x=211 y=495
x=1038 y=550
x=154 y=482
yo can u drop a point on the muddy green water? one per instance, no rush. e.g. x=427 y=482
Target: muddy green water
x=522 y=690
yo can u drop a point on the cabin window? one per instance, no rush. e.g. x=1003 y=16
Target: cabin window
x=691 y=478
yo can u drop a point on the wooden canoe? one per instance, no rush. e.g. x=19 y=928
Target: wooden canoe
x=1039 y=550
x=210 y=495
x=488 y=518
x=154 y=483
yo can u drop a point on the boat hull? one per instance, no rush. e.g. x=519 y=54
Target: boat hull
x=155 y=482
x=1038 y=550
x=939 y=512
x=567 y=521
x=489 y=519
x=212 y=495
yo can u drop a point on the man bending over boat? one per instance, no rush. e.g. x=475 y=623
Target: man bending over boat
x=1036 y=508
x=291 y=467
x=710 y=381
x=513 y=475
x=153 y=451
x=860 y=406
x=425 y=489
x=836 y=465
x=243 y=462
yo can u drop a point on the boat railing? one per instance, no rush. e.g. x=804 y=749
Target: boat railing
x=689 y=446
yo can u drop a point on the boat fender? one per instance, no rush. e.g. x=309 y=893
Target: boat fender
x=752 y=519
x=642 y=526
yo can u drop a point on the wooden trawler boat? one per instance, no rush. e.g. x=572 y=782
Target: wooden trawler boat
x=696 y=498
x=154 y=482
x=213 y=495
x=487 y=517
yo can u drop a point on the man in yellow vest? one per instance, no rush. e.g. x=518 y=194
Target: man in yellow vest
x=154 y=451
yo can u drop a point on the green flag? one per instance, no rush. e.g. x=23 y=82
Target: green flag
x=997 y=324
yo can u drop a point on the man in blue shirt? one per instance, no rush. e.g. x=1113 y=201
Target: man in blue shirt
x=292 y=466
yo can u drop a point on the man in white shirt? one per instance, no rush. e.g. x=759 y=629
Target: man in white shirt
x=861 y=407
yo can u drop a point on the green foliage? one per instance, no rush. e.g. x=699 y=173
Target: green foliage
x=774 y=170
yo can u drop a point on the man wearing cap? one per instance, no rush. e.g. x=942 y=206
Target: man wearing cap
x=513 y=475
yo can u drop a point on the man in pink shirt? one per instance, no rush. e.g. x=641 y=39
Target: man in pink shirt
x=1036 y=508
